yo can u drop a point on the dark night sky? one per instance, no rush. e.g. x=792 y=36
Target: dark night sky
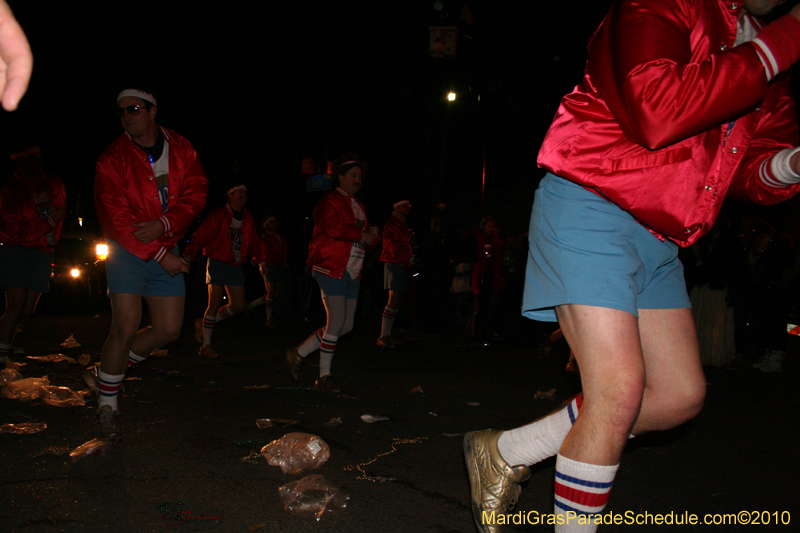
x=263 y=84
x=259 y=85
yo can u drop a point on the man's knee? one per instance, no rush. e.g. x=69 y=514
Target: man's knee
x=687 y=401
x=617 y=405
x=169 y=332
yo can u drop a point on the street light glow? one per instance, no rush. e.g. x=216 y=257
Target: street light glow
x=451 y=96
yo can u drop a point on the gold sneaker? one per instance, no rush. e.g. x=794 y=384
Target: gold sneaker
x=494 y=485
x=327 y=384
x=207 y=352
x=386 y=342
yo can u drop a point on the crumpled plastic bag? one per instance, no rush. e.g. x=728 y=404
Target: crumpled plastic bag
x=7 y=375
x=26 y=389
x=297 y=452
x=312 y=495
x=94 y=447
x=23 y=429
x=70 y=343
x=52 y=358
x=62 y=397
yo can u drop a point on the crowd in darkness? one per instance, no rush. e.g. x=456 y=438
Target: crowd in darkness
x=441 y=298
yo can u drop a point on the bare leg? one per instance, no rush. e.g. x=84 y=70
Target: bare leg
x=166 y=313
x=640 y=374
x=126 y=315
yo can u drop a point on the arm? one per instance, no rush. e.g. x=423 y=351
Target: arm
x=642 y=63
x=208 y=230
x=21 y=217
x=113 y=210
x=769 y=173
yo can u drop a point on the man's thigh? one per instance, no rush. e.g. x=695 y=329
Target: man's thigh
x=166 y=311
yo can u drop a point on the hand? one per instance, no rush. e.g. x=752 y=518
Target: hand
x=795 y=12
x=16 y=59
x=148 y=231
x=58 y=213
x=794 y=162
x=370 y=236
x=174 y=264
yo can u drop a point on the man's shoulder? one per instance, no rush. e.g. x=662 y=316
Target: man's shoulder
x=116 y=147
x=175 y=139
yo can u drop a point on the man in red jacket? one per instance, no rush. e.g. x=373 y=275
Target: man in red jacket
x=149 y=186
x=682 y=103
x=31 y=220
x=227 y=237
x=398 y=255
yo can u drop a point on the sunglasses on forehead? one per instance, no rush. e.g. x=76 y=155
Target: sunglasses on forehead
x=131 y=110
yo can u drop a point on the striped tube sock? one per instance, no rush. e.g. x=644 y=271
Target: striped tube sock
x=535 y=442
x=312 y=343
x=208 y=328
x=387 y=321
x=110 y=384
x=257 y=302
x=582 y=492
x=134 y=359
x=326 y=350
x=268 y=306
x=224 y=312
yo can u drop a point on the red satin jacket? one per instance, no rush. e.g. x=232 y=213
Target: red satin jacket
x=214 y=238
x=335 y=231
x=648 y=127
x=396 y=242
x=275 y=249
x=125 y=192
x=20 y=221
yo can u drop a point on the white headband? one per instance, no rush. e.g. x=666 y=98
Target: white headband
x=136 y=93
x=401 y=202
x=347 y=163
x=236 y=187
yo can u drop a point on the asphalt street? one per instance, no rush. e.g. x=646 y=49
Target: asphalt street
x=189 y=439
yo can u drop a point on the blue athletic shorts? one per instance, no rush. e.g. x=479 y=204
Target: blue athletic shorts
x=25 y=268
x=586 y=250
x=395 y=277
x=346 y=286
x=222 y=274
x=275 y=274
x=127 y=274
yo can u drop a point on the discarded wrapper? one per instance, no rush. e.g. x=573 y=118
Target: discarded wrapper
x=269 y=422
x=26 y=389
x=297 y=452
x=7 y=375
x=23 y=429
x=335 y=421
x=52 y=358
x=70 y=343
x=312 y=495
x=369 y=419
x=62 y=397
x=94 y=447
